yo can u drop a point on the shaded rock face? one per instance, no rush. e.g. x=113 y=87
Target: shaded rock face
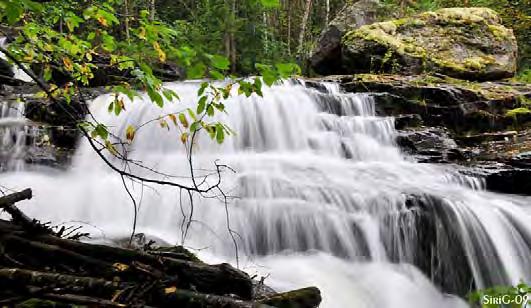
x=466 y=43
x=430 y=145
x=326 y=58
x=6 y=69
x=461 y=106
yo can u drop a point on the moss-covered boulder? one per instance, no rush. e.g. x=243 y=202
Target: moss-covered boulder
x=466 y=43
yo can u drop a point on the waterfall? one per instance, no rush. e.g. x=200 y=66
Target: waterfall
x=321 y=195
x=13 y=136
x=14 y=133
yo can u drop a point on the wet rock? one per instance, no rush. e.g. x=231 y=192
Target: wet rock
x=430 y=145
x=326 y=57
x=503 y=178
x=407 y=121
x=6 y=70
x=466 y=43
x=443 y=101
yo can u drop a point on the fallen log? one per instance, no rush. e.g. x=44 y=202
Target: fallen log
x=9 y=200
x=17 y=216
x=21 y=278
x=217 y=279
x=302 y=298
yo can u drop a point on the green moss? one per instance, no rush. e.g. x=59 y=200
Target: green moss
x=478 y=63
x=514 y=113
x=500 y=32
x=436 y=44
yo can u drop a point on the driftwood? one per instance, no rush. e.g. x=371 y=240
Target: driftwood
x=37 y=266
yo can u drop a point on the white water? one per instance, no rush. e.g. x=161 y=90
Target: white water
x=13 y=136
x=13 y=128
x=320 y=198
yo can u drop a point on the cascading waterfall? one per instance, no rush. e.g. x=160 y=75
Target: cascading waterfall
x=320 y=196
x=13 y=129
x=13 y=136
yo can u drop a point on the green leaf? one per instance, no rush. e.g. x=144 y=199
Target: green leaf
x=269 y=78
x=220 y=133
x=286 y=70
x=270 y=3
x=201 y=105
x=13 y=12
x=196 y=71
x=220 y=62
x=195 y=126
x=183 y=120
x=118 y=107
x=216 y=75
x=210 y=110
x=169 y=94
x=202 y=88
x=155 y=97
x=101 y=131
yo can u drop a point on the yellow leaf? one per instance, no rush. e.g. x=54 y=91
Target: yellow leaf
x=142 y=34
x=161 y=53
x=184 y=137
x=164 y=124
x=120 y=267
x=102 y=21
x=130 y=133
x=68 y=64
x=170 y=290
x=111 y=148
x=173 y=118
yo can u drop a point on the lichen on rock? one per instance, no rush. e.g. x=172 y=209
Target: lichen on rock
x=467 y=43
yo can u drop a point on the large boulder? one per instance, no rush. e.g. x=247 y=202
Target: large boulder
x=466 y=43
x=326 y=57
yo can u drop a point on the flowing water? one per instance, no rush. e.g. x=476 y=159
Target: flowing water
x=14 y=133
x=320 y=195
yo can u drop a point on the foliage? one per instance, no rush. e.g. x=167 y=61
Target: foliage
x=524 y=76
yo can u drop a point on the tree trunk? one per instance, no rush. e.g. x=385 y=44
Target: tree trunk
x=152 y=10
x=126 y=19
x=302 y=34
x=289 y=28
x=233 y=51
x=327 y=12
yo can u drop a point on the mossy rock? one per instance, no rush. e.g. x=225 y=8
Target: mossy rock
x=465 y=43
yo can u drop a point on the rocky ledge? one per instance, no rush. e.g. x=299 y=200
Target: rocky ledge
x=483 y=126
